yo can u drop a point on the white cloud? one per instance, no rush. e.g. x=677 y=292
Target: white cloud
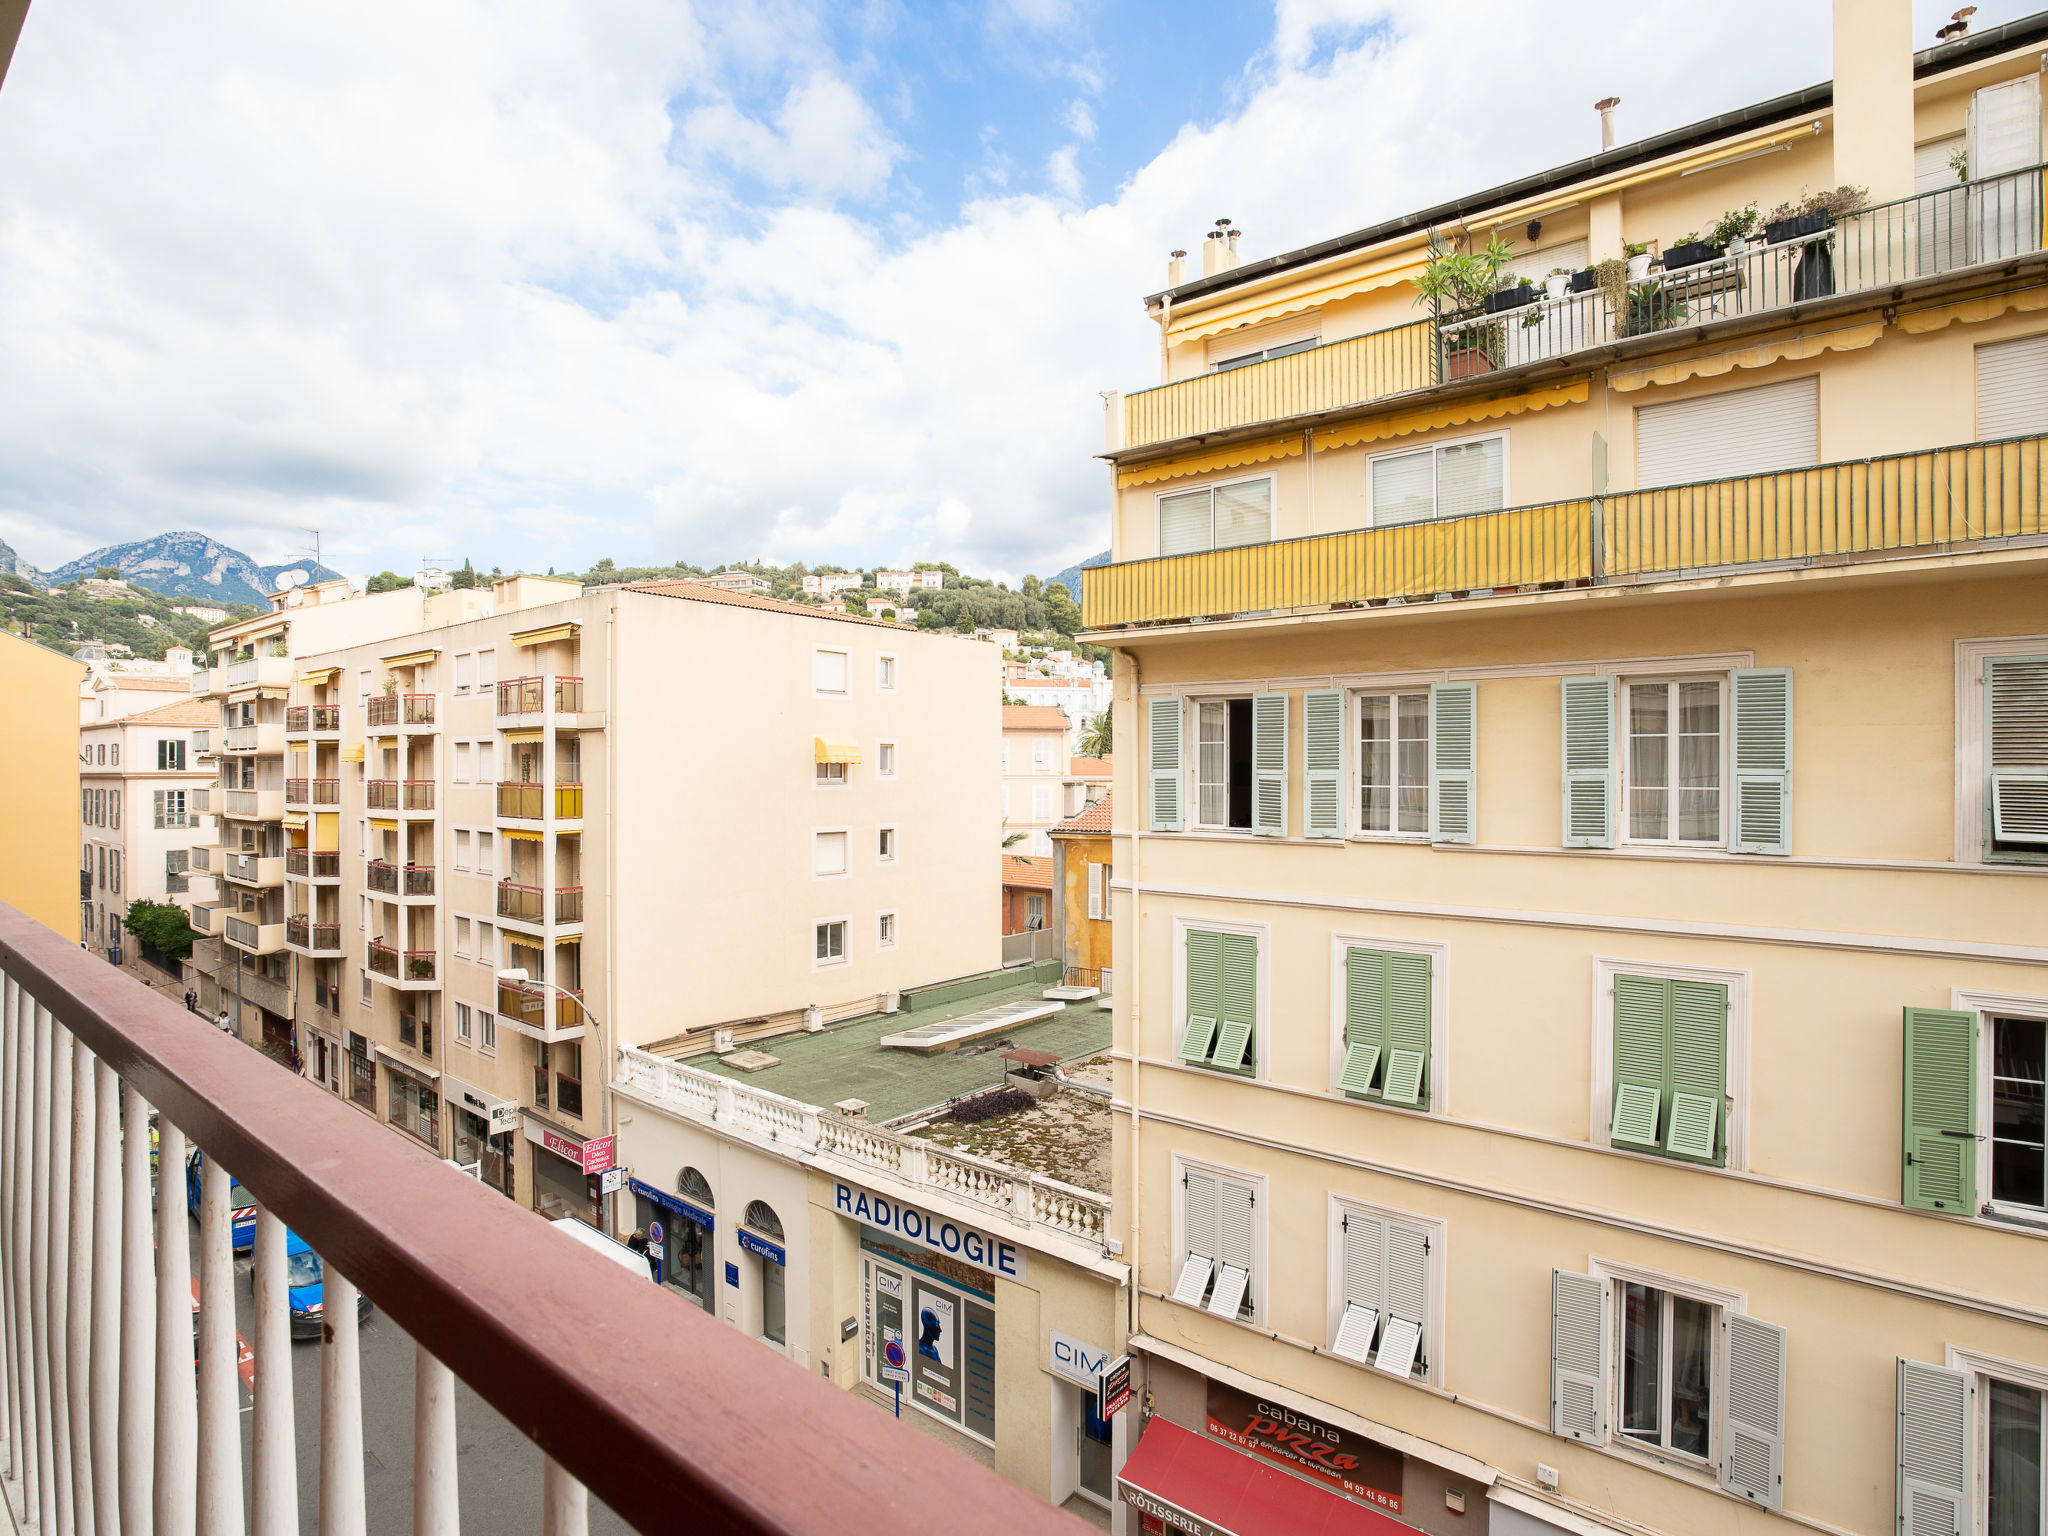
x=501 y=280
x=1079 y=119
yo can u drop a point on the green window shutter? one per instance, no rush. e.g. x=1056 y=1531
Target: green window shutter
x=1941 y=1110
x=1698 y=1058
x=2016 y=751
x=1238 y=980
x=1322 y=762
x=1365 y=1019
x=1204 y=994
x=1762 y=752
x=1588 y=734
x=1163 y=719
x=1453 y=761
x=1640 y=1008
x=1269 y=764
x=1408 y=1021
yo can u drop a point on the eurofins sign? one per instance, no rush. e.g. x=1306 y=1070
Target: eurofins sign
x=941 y=1234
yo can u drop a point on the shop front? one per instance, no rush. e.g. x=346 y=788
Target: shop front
x=414 y=1098
x=565 y=1170
x=485 y=1128
x=681 y=1232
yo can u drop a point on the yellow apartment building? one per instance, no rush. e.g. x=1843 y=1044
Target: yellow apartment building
x=37 y=869
x=571 y=820
x=1581 y=824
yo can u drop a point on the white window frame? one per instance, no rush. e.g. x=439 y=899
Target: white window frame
x=885 y=753
x=887 y=668
x=1212 y=486
x=1191 y=755
x=460 y=846
x=823 y=780
x=1043 y=756
x=1439 y=956
x=1261 y=1207
x=1988 y=1006
x=846 y=657
x=845 y=920
x=1355 y=755
x=462 y=658
x=1614 y=1275
x=465 y=936
x=1600 y=1125
x=464 y=764
x=1435 y=445
x=1262 y=1030
x=1333 y=1288
x=847 y=870
x=895 y=837
x=462 y=1022
x=487 y=1028
x=1982 y=1368
x=1623 y=837
x=1970 y=808
x=1045 y=804
x=885 y=930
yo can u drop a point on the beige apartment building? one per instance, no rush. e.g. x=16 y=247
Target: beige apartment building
x=140 y=835
x=629 y=816
x=1582 y=821
x=1035 y=761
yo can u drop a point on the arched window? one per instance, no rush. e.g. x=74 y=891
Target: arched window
x=694 y=1187
x=762 y=1218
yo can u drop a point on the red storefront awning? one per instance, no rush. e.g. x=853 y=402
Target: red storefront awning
x=1201 y=1485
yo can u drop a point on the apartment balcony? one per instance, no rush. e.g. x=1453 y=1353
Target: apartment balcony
x=529 y=903
x=199 y=800
x=250 y=869
x=256 y=672
x=541 y=1012
x=416 y=797
x=416 y=711
x=312 y=794
x=528 y=802
x=519 y=697
x=532 y=700
x=258 y=938
x=201 y=860
x=207 y=680
x=380 y=712
x=311 y=938
x=313 y=720
x=253 y=804
x=320 y=865
x=410 y=968
x=381 y=795
x=401 y=880
x=260 y=740
x=205 y=918
x=428 y=1245
x=1974 y=498
x=1937 y=240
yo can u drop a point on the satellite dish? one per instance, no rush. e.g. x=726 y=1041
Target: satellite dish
x=286 y=580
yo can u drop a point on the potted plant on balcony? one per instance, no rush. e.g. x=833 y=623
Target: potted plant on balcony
x=1585 y=281
x=1557 y=282
x=1514 y=296
x=1814 y=277
x=1732 y=231
x=1689 y=250
x=1457 y=284
x=1650 y=308
x=1637 y=253
x=419 y=967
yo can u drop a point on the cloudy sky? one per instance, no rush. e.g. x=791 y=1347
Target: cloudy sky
x=534 y=284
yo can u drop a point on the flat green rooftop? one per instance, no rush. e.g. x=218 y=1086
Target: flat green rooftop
x=843 y=1061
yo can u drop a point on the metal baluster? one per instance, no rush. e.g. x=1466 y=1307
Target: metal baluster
x=21 y=1187
x=341 y=1411
x=138 y=1322
x=105 y=1370
x=39 y=1275
x=10 y=1068
x=564 y=1502
x=60 y=1268
x=177 y=1412
x=275 y=1473
x=435 y=1508
x=220 y=1419
x=78 y=1318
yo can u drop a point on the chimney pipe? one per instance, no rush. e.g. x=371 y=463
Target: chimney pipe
x=1230 y=244
x=1177 y=269
x=1212 y=253
x=1606 y=108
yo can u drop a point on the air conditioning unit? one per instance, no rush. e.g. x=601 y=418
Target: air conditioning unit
x=814 y=1019
x=721 y=1041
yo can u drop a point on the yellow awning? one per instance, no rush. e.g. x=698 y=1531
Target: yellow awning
x=838 y=749
x=379 y=824
x=1383 y=271
x=274 y=693
x=352 y=753
x=296 y=820
x=319 y=675
x=543 y=636
x=1915 y=321
x=1222 y=458
x=410 y=658
x=520 y=835
x=244 y=695
x=1456 y=414
x=1774 y=349
x=524 y=735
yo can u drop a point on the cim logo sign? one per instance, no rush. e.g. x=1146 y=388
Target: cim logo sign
x=1082 y=1364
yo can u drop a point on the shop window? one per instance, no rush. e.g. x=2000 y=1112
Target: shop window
x=362 y=1073
x=415 y=1109
x=768 y=1255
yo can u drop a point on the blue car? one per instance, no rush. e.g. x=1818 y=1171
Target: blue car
x=307 y=1287
x=241 y=1209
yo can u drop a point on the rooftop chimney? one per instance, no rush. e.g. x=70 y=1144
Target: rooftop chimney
x=1958 y=25
x=1873 y=126
x=1212 y=253
x=1606 y=108
x=1177 y=269
x=1230 y=247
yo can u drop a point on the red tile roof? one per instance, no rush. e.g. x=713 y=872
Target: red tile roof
x=127 y=683
x=698 y=592
x=1094 y=820
x=1027 y=870
x=1090 y=767
x=187 y=711
x=1033 y=717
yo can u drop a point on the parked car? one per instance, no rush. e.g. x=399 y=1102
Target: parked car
x=241 y=1209
x=306 y=1282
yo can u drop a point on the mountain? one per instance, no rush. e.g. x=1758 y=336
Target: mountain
x=12 y=564
x=1070 y=578
x=188 y=565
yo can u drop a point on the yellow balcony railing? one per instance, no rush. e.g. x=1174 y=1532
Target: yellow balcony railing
x=1938 y=498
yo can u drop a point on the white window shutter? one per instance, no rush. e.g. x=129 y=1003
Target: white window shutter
x=1588 y=733
x=2012 y=388
x=2005 y=127
x=1762 y=752
x=1753 y=1424
x=1322 y=762
x=1269 y=764
x=1453 y=761
x=2016 y=748
x=1163 y=721
x=157 y=802
x=1756 y=431
x=1407 y=1297
x=1365 y=1245
x=1095 y=891
x=1234 y=1206
x=1933 y=1450
x=1198 y=1195
x=1578 y=1356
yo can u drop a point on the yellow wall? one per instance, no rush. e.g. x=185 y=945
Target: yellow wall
x=1087 y=938
x=39 y=855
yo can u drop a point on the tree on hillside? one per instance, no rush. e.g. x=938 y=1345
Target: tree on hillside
x=965 y=623
x=928 y=618
x=1061 y=611
x=465 y=578
x=1032 y=586
x=386 y=581
x=107 y=573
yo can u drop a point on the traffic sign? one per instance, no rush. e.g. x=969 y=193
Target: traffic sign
x=893 y=1367
x=656 y=1232
x=1113 y=1387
